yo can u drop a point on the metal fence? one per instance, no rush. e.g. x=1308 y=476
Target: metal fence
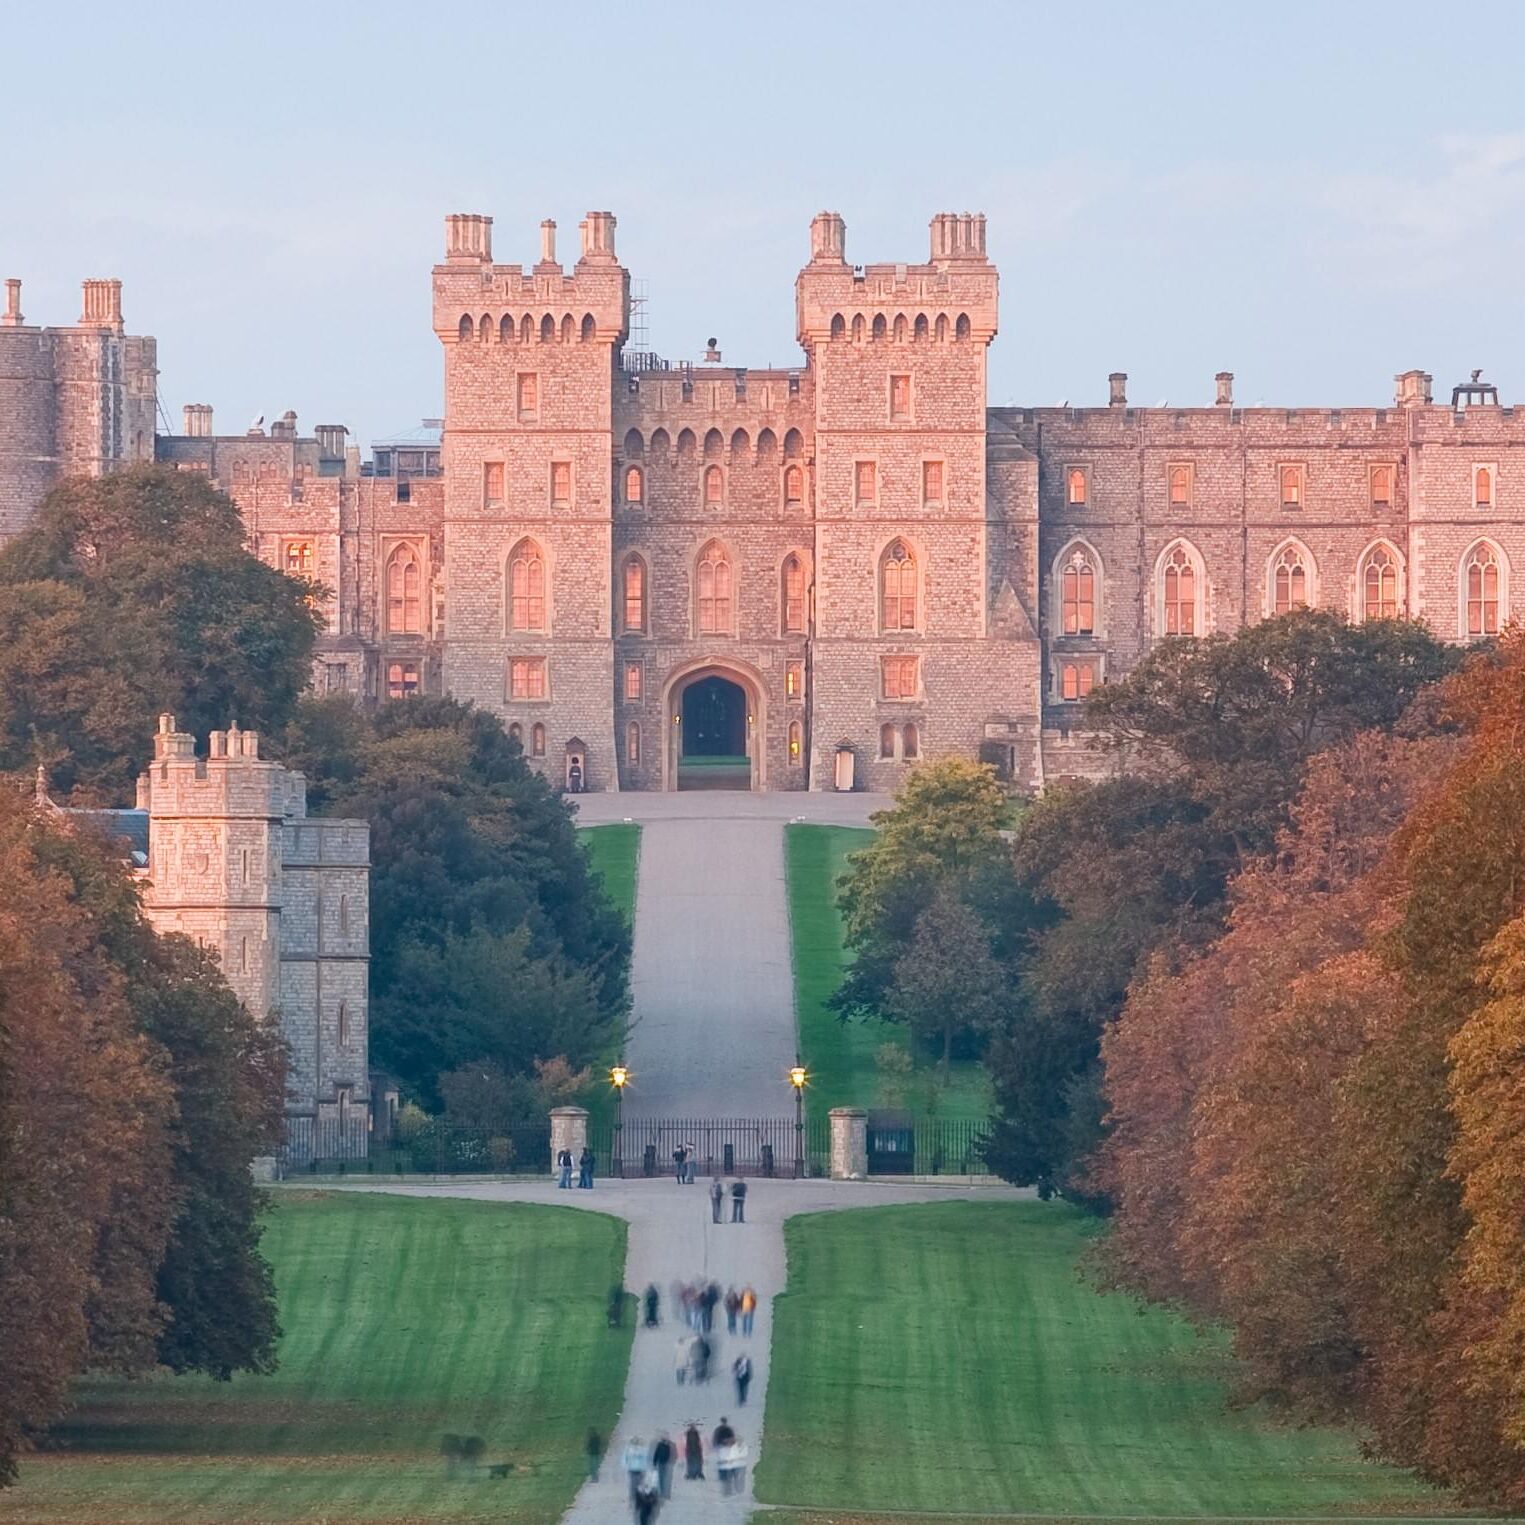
x=766 y=1146
x=319 y=1148
x=921 y=1148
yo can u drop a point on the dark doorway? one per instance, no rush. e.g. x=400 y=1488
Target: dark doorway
x=714 y=719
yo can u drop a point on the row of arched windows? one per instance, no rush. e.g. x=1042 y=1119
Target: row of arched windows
x=900 y=328
x=715 y=444
x=714 y=485
x=508 y=329
x=1291 y=583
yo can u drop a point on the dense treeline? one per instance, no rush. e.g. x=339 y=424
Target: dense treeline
x=134 y=1091
x=1316 y=1121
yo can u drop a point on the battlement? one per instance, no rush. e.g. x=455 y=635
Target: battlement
x=231 y=782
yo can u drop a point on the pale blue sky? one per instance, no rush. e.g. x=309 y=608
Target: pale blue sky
x=1311 y=196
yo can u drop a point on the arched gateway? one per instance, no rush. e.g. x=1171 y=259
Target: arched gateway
x=714 y=732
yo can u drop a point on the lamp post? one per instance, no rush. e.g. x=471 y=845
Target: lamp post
x=797 y=1078
x=619 y=1076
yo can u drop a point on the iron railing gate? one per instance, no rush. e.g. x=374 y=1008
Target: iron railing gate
x=728 y=1146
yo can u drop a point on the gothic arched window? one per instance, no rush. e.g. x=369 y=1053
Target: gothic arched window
x=794 y=595
x=1179 y=591
x=537 y=740
x=898 y=576
x=1480 y=581
x=1482 y=487
x=712 y=590
x=794 y=486
x=1289 y=581
x=526 y=587
x=1077 y=595
x=910 y=742
x=1075 y=486
x=404 y=592
x=634 y=581
x=634 y=486
x=714 y=486
x=886 y=740
x=1379 y=585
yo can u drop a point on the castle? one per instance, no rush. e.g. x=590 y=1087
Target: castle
x=666 y=575
x=227 y=856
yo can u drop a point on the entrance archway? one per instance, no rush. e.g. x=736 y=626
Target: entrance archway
x=715 y=727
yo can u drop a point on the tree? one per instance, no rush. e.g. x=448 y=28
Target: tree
x=132 y=594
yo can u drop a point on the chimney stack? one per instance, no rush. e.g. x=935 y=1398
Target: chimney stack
x=330 y=439
x=1117 y=389
x=548 y=246
x=103 y=305
x=468 y=237
x=1225 y=397
x=598 y=238
x=1413 y=389
x=12 y=315
x=828 y=239
x=958 y=235
x=198 y=419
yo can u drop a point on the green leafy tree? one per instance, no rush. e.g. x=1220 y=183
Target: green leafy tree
x=128 y=595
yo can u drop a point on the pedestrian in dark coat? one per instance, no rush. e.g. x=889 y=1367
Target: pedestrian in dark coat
x=717 y=1199
x=653 y=1301
x=739 y=1202
x=647 y=1502
x=679 y=1163
x=732 y=1308
x=693 y=1454
x=741 y=1369
x=593 y=1448
x=585 y=1168
x=564 y=1168
x=663 y=1454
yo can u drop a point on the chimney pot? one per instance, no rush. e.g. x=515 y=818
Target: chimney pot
x=598 y=237
x=1117 y=384
x=548 y=242
x=828 y=239
x=102 y=305
x=12 y=315
x=1225 y=381
x=468 y=236
x=1413 y=389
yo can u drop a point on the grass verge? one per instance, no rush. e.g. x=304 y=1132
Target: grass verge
x=403 y=1320
x=949 y=1358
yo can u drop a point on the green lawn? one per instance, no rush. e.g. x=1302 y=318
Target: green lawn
x=840 y=1055
x=613 y=852
x=950 y=1358
x=403 y=1319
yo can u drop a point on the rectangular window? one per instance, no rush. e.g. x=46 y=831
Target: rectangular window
x=931 y=481
x=899 y=677
x=794 y=680
x=1291 y=486
x=900 y=397
x=297 y=558
x=561 y=483
x=529 y=397
x=492 y=482
x=1076 y=679
x=633 y=744
x=402 y=680
x=526 y=678
x=632 y=682
x=866 y=482
x=336 y=675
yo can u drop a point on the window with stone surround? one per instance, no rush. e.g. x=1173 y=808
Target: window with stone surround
x=795 y=736
x=1382 y=487
x=633 y=744
x=526 y=587
x=887 y=740
x=1482 y=590
x=561 y=484
x=1075 y=485
x=1179 y=481
x=1077 y=593
x=526 y=678
x=492 y=482
x=1291 y=478
x=897 y=577
x=794 y=486
x=1291 y=579
x=898 y=677
x=931 y=482
x=528 y=396
x=336 y=677
x=632 y=682
x=466 y=329
x=633 y=582
x=635 y=485
x=866 y=482
x=794 y=680
x=297 y=558
x=1379 y=584
x=712 y=590
x=910 y=741
x=537 y=740
x=404 y=580
x=1180 y=591
x=1077 y=677
x=900 y=398
x=714 y=486
x=516 y=732
x=402 y=680
x=1482 y=487
x=343 y=1024
x=794 y=595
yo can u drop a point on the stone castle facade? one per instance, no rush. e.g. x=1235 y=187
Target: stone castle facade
x=662 y=574
x=228 y=857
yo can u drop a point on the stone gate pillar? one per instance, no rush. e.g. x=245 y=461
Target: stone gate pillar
x=569 y=1130
x=849 y=1143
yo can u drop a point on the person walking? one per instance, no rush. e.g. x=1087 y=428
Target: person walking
x=724 y=1434
x=709 y=1301
x=663 y=1454
x=683 y=1357
x=679 y=1163
x=635 y=1462
x=689 y=1153
x=564 y=1168
x=616 y=1307
x=585 y=1168
x=741 y=1369
x=693 y=1454
x=739 y=1202
x=727 y=1464
x=646 y=1501
x=732 y=1309
x=717 y=1199
x=593 y=1449
x=748 y=1309
x=653 y=1302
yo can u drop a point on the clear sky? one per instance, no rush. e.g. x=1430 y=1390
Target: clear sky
x=1312 y=196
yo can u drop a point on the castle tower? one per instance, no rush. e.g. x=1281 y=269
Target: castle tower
x=530 y=362
x=908 y=661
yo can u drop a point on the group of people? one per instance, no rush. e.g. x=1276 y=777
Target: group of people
x=694 y=1303
x=650 y=1468
x=584 y=1165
